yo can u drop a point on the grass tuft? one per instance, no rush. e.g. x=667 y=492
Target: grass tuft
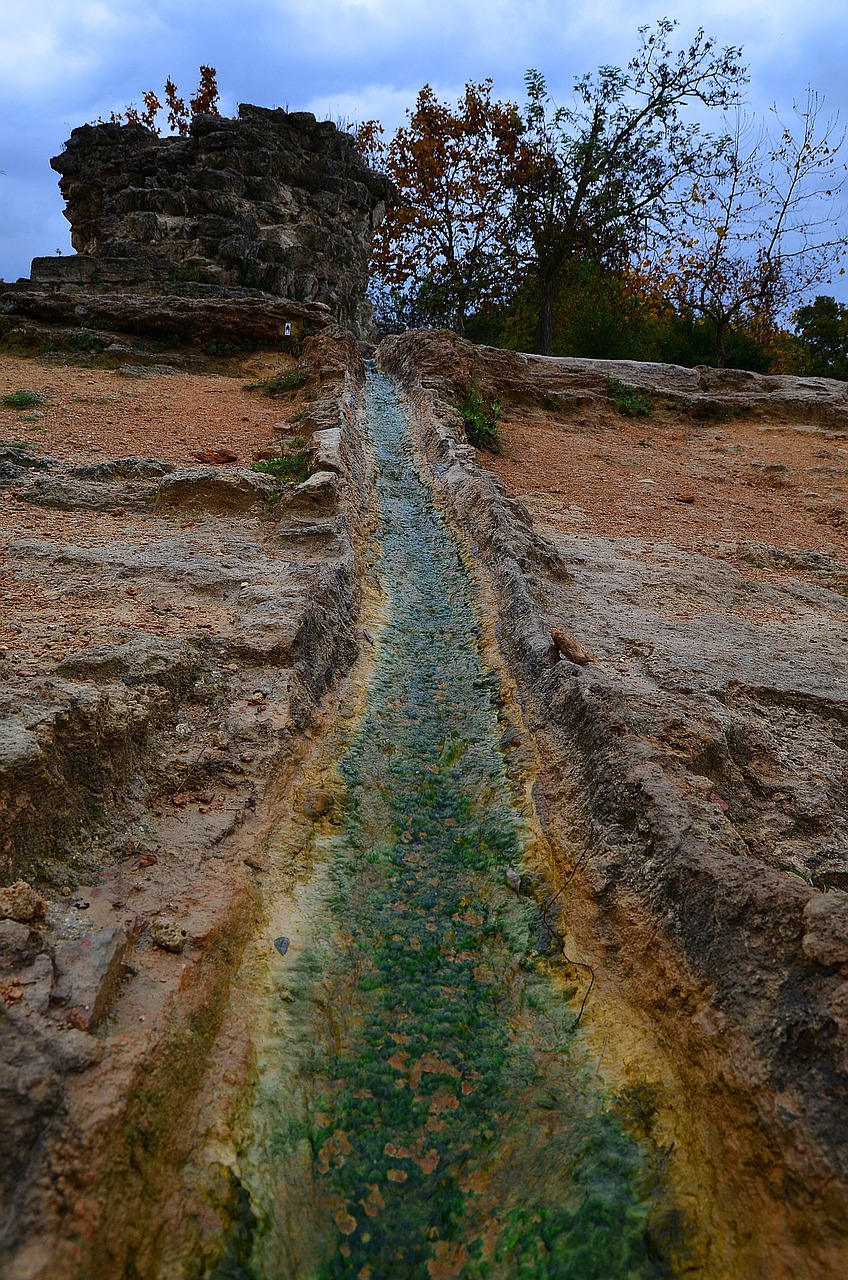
x=281 y=385
x=22 y=400
x=629 y=400
x=85 y=342
x=293 y=465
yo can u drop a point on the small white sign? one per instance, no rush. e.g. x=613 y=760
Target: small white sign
x=287 y=329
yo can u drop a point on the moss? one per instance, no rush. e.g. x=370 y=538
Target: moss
x=440 y=1059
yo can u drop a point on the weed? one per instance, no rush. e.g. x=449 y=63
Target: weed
x=186 y=273
x=218 y=348
x=22 y=400
x=293 y=464
x=480 y=420
x=85 y=342
x=167 y=341
x=554 y=404
x=25 y=446
x=629 y=400
x=281 y=385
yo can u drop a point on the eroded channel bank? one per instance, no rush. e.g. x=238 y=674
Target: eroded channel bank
x=736 y=968
x=139 y=776
x=427 y=1104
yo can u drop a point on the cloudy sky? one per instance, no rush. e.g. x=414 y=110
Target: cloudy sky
x=62 y=65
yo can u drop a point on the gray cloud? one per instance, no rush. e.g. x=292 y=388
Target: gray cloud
x=62 y=66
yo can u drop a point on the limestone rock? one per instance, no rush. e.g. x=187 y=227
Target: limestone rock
x=230 y=492
x=168 y=936
x=241 y=316
x=328 y=446
x=317 y=495
x=571 y=648
x=19 y=901
x=19 y=944
x=269 y=200
x=19 y=747
x=826 y=929
x=88 y=971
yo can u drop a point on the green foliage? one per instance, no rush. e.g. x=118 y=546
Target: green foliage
x=823 y=331
x=186 y=273
x=480 y=420
x=292 y=466
x=217 y=347
x=601 y=173
x=629 y=400
x=283 y=384
x=22 y=400
x=445 y=242
x=85 y=342
x=598 y=315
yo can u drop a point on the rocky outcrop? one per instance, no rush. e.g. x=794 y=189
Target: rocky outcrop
x=251 y=232
x=565 y=386
x=139 y=781
x=269 y=200
x=240 y=319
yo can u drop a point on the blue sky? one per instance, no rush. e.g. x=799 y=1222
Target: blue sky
x=62 y=65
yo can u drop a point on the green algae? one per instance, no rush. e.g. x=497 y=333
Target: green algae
x=429 y=1109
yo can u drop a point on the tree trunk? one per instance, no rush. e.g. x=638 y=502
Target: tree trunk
x=545 y=327
x=720 y=340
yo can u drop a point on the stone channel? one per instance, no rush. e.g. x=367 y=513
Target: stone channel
x=428 y=1105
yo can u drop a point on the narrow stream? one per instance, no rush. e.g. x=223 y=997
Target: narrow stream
x=428 y=1108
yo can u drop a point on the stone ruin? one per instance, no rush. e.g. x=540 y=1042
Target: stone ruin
x=247 y=228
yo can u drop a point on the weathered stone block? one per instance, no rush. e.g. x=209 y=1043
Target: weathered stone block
x=179 y=201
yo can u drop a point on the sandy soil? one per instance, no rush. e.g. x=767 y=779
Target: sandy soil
x=702 y=488
x=92 y=413
x=89 y=415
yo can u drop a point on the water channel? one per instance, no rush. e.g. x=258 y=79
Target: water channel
x=428 y=1105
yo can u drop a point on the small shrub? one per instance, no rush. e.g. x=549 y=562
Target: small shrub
x=481 y=420
x=85 y=342
x=282 y=385
x=554 y=404
x=218 y=348
x=186 y=273
x=629 y=400
x=23 y=400
x=167 y=341
x=293 y=464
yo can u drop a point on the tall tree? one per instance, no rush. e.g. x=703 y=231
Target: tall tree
x=597 y=177
x=823 y=330
x=441 y=250
x=763 y=229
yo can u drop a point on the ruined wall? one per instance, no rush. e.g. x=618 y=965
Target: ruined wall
x=267 y=200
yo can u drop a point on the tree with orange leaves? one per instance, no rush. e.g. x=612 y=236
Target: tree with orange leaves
x=443 y=250
x=204 y=101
